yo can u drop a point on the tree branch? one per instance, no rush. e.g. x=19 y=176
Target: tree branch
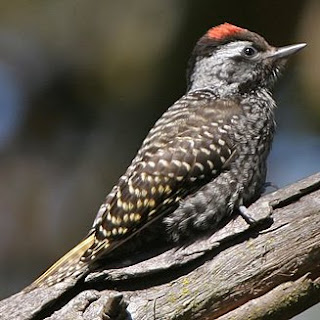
x=266 y=271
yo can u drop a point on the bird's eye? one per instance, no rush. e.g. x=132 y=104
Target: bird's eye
x=250 y=51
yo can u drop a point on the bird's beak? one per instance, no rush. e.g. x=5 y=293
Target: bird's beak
x=286 y=51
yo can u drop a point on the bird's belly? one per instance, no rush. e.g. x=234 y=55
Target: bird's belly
x=255 y=181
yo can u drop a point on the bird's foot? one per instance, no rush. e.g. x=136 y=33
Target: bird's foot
x=244 y=213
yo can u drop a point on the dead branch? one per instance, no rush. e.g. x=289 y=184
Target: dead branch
x=266 y=271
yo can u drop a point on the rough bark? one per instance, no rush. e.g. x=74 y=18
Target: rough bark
x=269 y=270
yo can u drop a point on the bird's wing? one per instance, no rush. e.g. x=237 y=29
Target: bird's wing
x=188 y=146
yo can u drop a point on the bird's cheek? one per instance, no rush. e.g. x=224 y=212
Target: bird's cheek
x=242 y=76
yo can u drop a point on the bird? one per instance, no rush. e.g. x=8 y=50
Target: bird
x=203 y=159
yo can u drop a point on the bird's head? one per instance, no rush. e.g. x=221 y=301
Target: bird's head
x=233 y=59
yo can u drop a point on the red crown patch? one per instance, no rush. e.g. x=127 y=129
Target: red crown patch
x=223 y=30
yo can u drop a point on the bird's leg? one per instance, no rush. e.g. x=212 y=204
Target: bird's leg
x=244 y=213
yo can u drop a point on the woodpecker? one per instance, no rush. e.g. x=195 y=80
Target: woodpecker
x=203 y=159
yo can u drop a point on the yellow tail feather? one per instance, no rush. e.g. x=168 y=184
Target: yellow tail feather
x=69 y=264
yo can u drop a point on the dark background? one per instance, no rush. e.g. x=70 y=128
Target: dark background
x=82 y=82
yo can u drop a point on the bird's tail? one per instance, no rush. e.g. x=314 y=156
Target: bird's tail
x=69 y=264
